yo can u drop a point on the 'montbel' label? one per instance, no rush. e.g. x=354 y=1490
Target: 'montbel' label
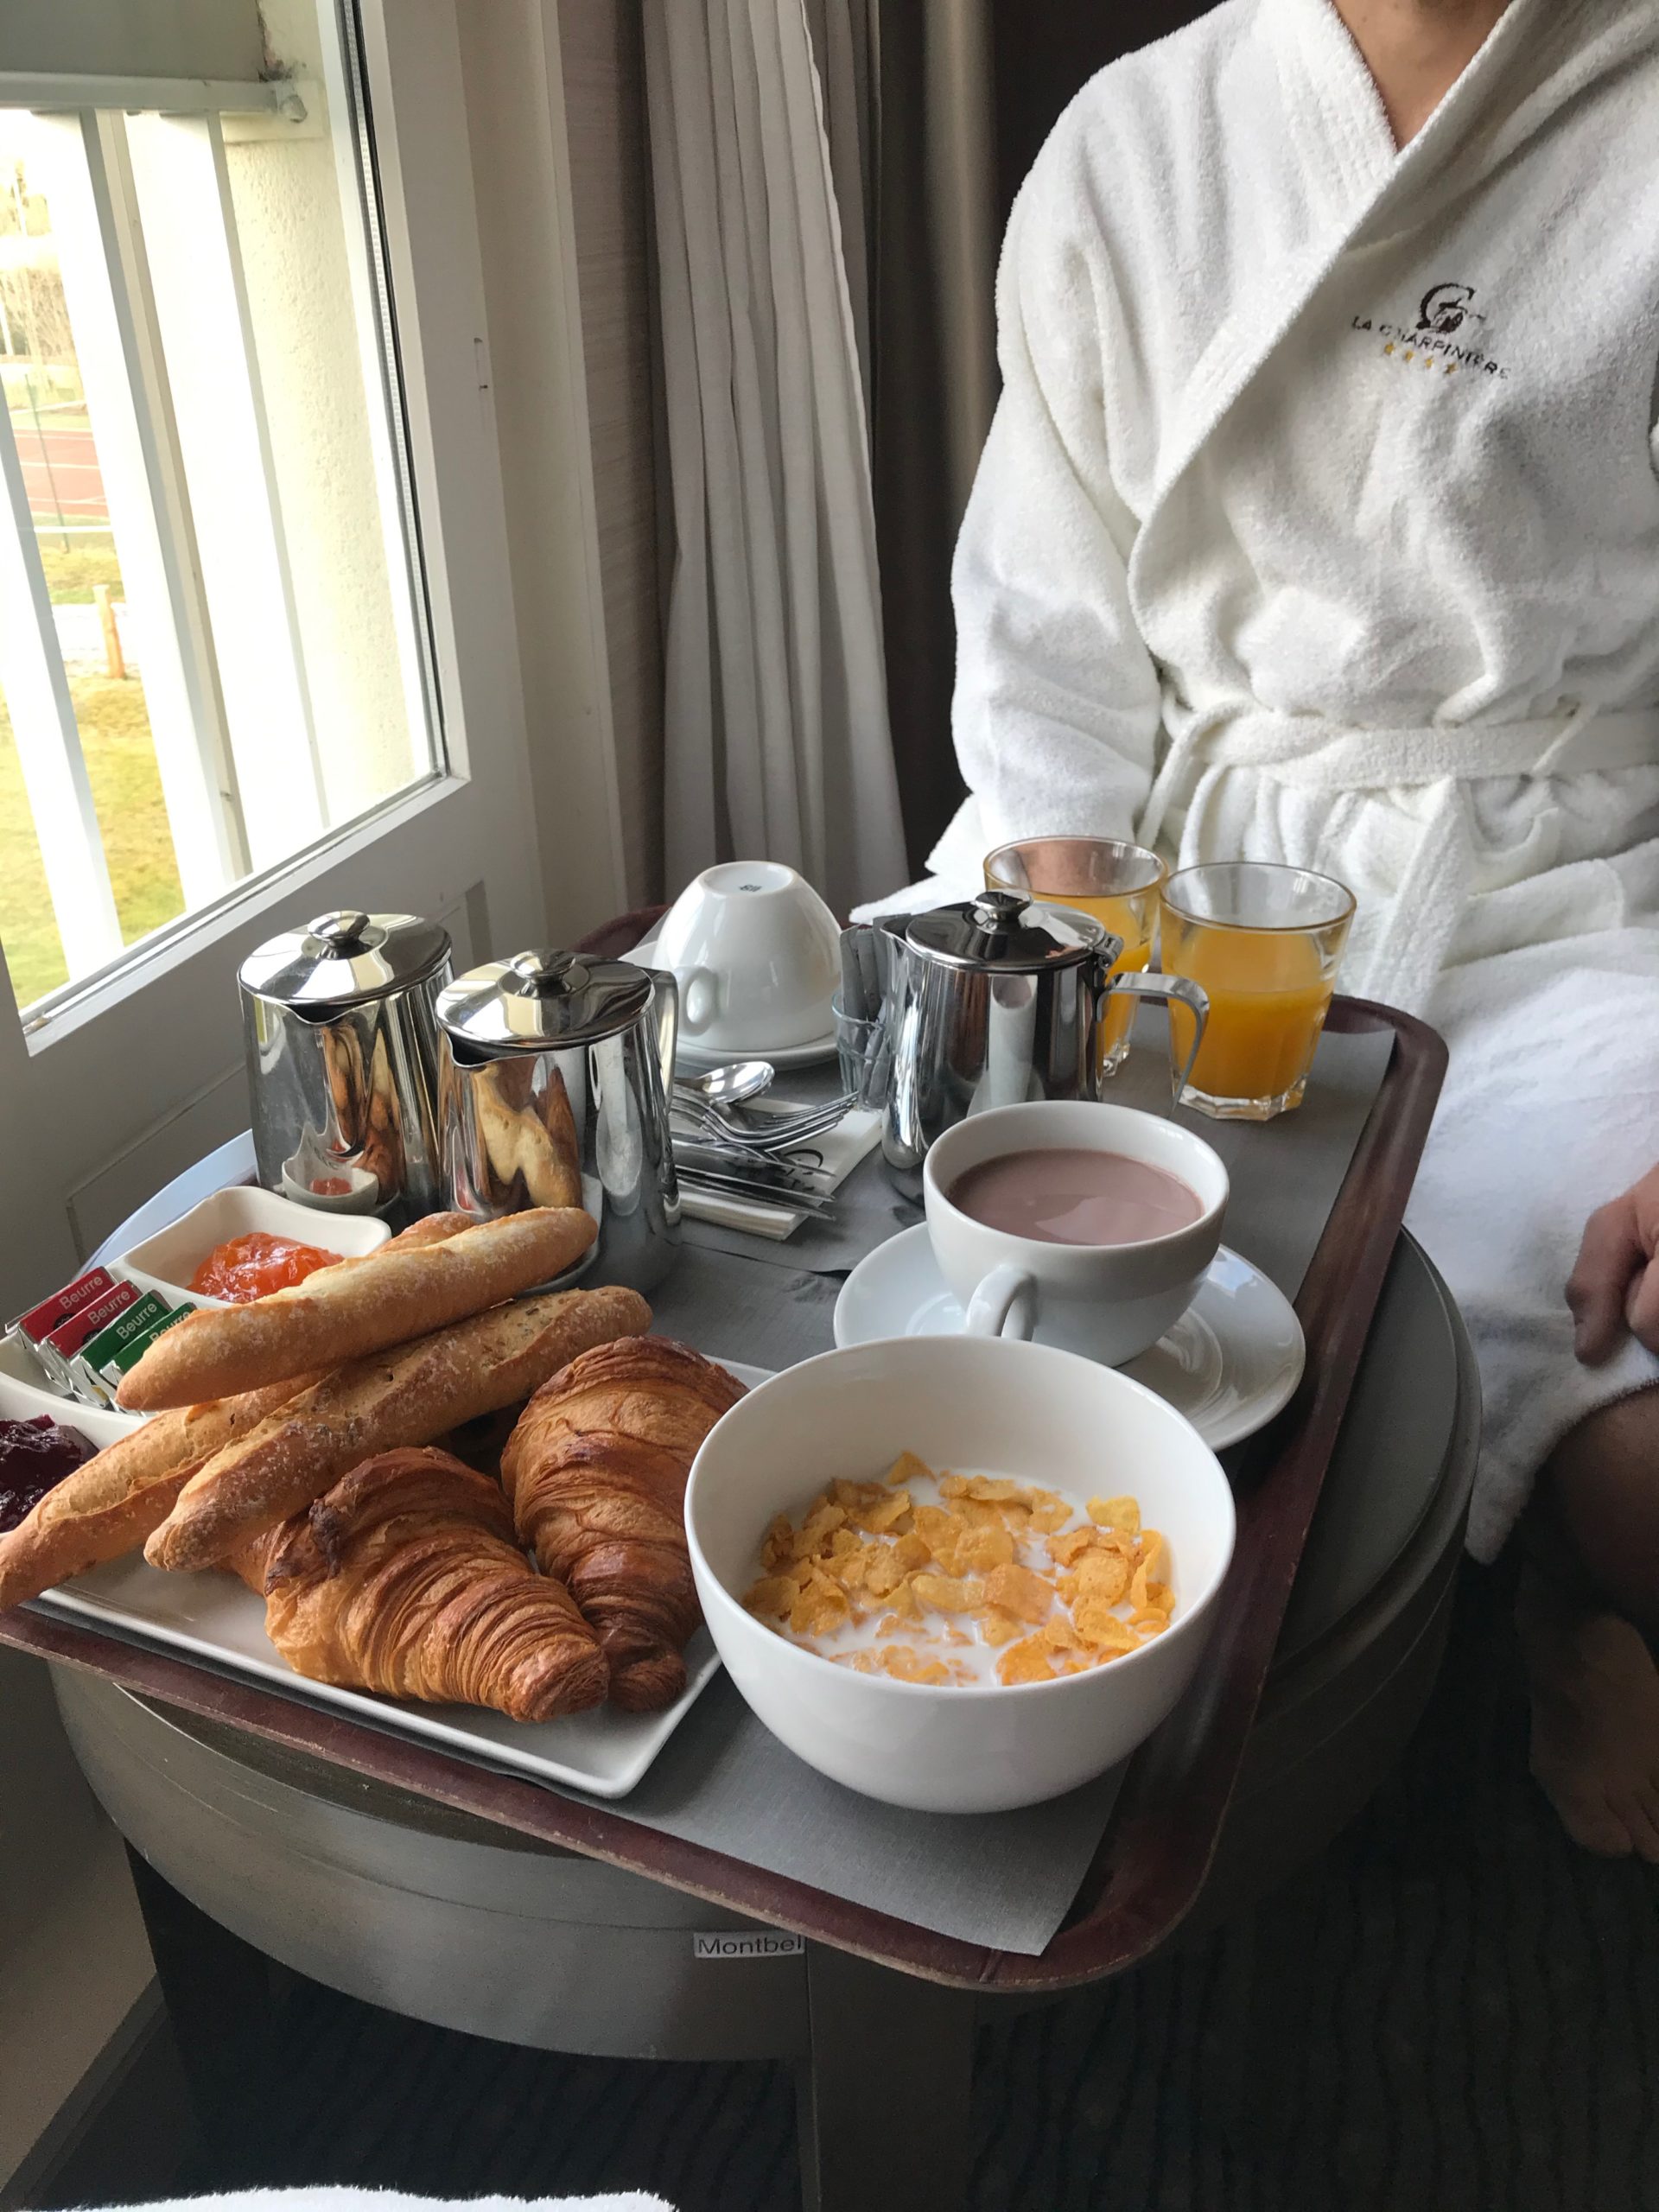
x=740 y=1943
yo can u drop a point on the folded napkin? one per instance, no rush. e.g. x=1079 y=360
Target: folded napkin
x=841 y=1150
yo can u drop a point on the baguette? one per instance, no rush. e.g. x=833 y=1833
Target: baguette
x=112 y=1501
x=347 y=1313
x=111 y=1504
x=407 y=1396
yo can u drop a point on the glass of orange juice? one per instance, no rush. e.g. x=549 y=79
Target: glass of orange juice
x=1265 y=942
x=1116 y=883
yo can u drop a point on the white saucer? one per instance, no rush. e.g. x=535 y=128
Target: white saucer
x=1230 y=1362
x=688 y=1052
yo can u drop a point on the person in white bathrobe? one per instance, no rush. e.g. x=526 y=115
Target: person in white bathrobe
x=1319 y=522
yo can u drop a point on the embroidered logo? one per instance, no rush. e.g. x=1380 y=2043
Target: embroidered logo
x=1445 y=309
x=1444 y=313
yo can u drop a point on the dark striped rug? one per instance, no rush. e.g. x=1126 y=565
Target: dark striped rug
x=1453 y=2008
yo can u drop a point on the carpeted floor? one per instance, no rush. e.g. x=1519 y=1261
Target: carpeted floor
x=1454 y=2009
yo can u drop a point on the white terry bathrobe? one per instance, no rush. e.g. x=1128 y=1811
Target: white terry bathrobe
x=1319 y=522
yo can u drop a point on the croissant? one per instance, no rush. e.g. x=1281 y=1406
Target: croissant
x=596 y=1471
x=405 y=1577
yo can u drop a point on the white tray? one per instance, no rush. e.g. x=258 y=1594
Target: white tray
x=216 y=1620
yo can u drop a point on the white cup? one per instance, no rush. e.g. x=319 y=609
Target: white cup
x=757 y=955
x=1107 y=1301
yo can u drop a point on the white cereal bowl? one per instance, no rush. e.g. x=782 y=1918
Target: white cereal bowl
x=997 y=1406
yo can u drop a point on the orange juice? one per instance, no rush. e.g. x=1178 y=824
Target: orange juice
x=1131 y=918
x=1115 y=884
x=1269 y=991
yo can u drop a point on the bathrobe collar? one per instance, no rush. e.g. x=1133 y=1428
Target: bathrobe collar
x=1360 y=185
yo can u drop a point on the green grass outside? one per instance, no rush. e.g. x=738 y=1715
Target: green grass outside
x=127 y=794
x=71 y=570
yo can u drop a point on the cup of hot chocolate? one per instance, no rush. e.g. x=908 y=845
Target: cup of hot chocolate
x=1083 y=1225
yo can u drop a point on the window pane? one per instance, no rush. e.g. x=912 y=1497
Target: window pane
x=210 y=643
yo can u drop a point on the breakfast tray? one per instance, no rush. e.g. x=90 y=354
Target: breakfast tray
x=1157 y=1845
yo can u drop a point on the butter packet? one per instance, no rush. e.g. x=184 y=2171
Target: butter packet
x=133 y=1351
x=96 y=1365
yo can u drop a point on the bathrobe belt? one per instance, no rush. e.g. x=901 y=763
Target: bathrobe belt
x=1408 y=952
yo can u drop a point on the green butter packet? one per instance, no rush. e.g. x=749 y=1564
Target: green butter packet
x=138 y=1319
x=129 y=1354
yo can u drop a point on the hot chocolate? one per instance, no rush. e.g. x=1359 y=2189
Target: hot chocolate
x=1074 y=1195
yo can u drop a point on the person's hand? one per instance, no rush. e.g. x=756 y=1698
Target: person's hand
x=1613 y=1290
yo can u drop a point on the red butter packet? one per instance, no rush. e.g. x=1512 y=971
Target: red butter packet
x=51 y=1312
x=85 y=1321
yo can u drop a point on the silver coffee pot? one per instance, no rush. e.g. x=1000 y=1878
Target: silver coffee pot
x=555 y=1071
x=342 y=1062
x=992 y=1002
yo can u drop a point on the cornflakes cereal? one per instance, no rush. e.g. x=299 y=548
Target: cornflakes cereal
x=1020 y=1591
x=982 y=1578
x=949 y=1593
x=1030 y=1662
x=908 y=1468
x=958 y=1546
x=773 y=1594
x=1098 y=1574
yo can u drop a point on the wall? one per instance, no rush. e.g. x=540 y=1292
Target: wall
x=287 y=194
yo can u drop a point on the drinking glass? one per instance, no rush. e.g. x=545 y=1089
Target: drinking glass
x=1265 y=942
x=1116 y=883
x=857 y=1048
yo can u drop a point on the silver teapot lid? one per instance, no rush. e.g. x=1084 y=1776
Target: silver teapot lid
x=540 y=1001
x=344 y=958
x=1004 y=933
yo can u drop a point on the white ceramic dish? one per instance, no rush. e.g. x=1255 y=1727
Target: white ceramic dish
x=361 y=1195
x=993 y=1404
x=213 y=1619
x=23 y=1395
x=689 y=1053
x=1107 y=1301
x=1230 y=1364
x=168 y=1260
x=756 y=954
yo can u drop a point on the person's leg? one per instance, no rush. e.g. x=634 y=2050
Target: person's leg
x=1589 y=1600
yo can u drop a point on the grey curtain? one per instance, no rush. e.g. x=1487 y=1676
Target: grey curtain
x=776 y=737
x=934 y=234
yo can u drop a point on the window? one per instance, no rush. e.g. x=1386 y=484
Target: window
x=213 y=650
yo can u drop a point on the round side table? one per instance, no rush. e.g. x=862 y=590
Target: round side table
x=244 y=1851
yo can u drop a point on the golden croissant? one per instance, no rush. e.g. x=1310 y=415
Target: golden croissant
x=596 y=1471
x=406 y=1577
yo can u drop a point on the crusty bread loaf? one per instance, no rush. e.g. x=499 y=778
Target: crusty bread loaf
x=109 y=1505
x=408 y=1396
x=389 y=1297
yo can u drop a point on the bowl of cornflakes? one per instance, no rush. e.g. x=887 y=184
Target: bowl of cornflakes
x=959 y=1575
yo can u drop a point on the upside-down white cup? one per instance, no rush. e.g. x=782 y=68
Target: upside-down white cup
x=756 y=955
x=1107 y=1301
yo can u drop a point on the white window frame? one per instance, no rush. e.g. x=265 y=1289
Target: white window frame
x=114 y=1110
x=412 y=56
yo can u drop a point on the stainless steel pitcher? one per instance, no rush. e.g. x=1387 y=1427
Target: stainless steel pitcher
x=554 y=1072
x=342 y=1062
x=993 y=1002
